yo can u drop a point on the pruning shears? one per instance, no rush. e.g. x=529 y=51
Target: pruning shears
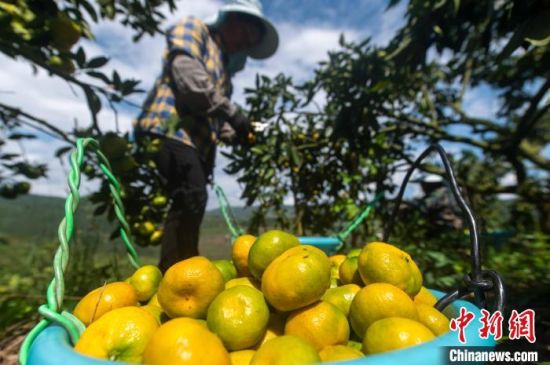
x=259 y=126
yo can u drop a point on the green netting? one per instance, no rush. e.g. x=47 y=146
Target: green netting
x=359 y=218
x=227 y=213
x=236 y=230
x=52 y=311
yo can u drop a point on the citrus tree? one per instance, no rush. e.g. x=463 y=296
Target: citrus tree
x=46 y=34
x=381 y=105
x=299 y=157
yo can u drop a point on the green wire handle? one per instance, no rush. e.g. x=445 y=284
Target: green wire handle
x=352 y=226
x=52 y=311
x=237 y=231
x=227 y=213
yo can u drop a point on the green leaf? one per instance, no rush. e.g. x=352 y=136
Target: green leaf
x=457 y=5
x=8 y=156
x=17 y=136
x=80 y=57
x=539 y=42
x=402 y=46
x=534 y=30
x=116 y=79
x=538 y=30
x=392 y=3
x=90 y=9
x=97 y=62
x=63 y=150
x=99 y=75
x=94 y=103
x=295 y=156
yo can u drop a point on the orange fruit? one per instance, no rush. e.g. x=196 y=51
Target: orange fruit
x=321 y=324
x=341 y=296
x=146 y=228
x=156 y=237
x=433 y=319
x=65 y=33
x=189 y=286
x=394 y=333
x=275 y=328
x=355 y=345
x=354 y=252
x=120 y=335
x=336 y=261
x=241 y=357
x=113 y=146
x=266 y=248
x=239 y=253
x=62 y=64
x=239 y=317
x=154 y=311
x=226 y=267
x=380 y=262
x=424 y=296
x=146 y=280
x=377 y=301
x=298 y=277
x=185 y=341
x=339 y=353
x=159 y=201
x=154 y=301
x=285 y=350
x=102 y=300
x=348 y=272
x=248 y=281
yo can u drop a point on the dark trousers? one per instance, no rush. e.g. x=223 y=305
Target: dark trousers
x=185 y=180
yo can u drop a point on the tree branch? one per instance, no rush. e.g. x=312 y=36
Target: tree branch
x=476 y=122
x=18 y=112
x=536 y=159
x=439 y=134
x=530 y=118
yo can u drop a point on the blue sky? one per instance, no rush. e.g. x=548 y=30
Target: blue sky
x=308 y=29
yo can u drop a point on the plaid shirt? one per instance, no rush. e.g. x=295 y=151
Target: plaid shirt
x=192 y=37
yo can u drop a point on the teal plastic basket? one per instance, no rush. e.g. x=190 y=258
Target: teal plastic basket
x=329 y=245
x=52 y=346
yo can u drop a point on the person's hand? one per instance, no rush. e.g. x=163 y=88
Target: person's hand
x=228 y=134
x=241 y=124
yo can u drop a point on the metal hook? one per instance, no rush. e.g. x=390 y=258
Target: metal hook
x=475 y=282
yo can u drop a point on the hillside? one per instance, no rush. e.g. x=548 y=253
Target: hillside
x=35 y=218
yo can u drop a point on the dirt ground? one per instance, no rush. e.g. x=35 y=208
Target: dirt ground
x=10 y=344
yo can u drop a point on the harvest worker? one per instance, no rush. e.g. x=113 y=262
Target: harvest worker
x=189 y=110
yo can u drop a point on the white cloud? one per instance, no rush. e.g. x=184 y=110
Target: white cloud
x=392 y=20
x=508 y=179
x=481 y=102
